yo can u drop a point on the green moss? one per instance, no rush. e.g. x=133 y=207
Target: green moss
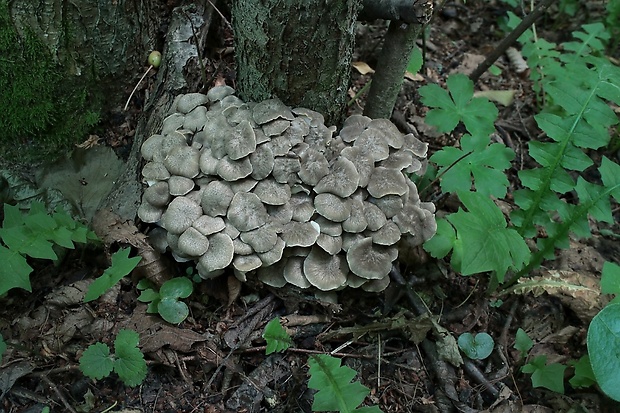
x=43 y=112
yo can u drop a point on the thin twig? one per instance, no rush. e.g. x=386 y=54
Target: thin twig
x=510 y=39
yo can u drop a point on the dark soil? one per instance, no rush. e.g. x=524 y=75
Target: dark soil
x=215 y=360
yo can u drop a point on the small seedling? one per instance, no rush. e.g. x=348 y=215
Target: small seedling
x=121 y=266
x=127 y=361
x=604 y=347
x=549 y=376
x=276 y=337
x=154 y=61
x=476 y=347
x=166 y=300
x=584 y=376
x=523 y=343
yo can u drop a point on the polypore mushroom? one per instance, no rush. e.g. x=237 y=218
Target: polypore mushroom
x=183 y=161
x=271 y=192
x=149 y=213
x=186 y=103
x=273 y=275
x=216 y=198
x=247 y=212
x=219 y=254
x=342 y=180
x=369 y=261
x=262 y=239
x=262 y=161
x=374 y=144
x=242 y=142
x=151 y=148
x=218 y=93
x=157 y=194
x=180 y=215
x=231 y=170
x=293 y=272
x=387 y=181
x=271 y=109
x=208 y=225
x=180 y=185
x=193 y=243
x=330 y=244
x=246 y=263
x=324 y=271
x=300 y=234
x=332 y=207
x=303 y=207
x=273 y=255
x=196 y=119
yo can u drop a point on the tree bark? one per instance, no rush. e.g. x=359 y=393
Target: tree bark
x=298 y=51
x=106 y=41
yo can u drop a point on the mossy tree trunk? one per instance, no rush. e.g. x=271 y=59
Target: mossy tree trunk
x=297 y=50
x=103 y=40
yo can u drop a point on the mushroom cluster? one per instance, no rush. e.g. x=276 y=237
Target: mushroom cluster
x=274 y=193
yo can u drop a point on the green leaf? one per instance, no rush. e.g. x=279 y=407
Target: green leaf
x=14 y=271
x=443 y=241
x=548 y=376
x=2 y=347
x=523 y=342
x=584 y=376
x=172 y=310
x=335 y=392
x=96 y=361
x=148 y=295
x=129 y=364
x=276 y=337
x=610 y=278
x=478 y=160
x=25 y=241
x=476 y=347
x=478 y=114
x=121 y=266
x=416 y=60
x=604 y=349
x=179 y=287
x=487 y=244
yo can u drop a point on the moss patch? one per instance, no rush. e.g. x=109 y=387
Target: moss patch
x=43 y=112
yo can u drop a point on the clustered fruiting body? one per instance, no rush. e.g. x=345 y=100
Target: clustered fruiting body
x=273 y=193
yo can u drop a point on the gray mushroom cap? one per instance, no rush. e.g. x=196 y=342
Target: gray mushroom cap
x=183 y=161
x=273 y=255
x=390 y=205
x=293 y=272
x=207 y=162
x=329 y=227
x=300 y=234
x=172 y=123
x=330 y=244
x=376 y=286
x=262 y=239
x=231 y=170
x=357 y=220
x=364 y=164
x=332 y=207
x=193 y=243
x=342 y=181
x=242 y=142
x=369 y=261
x=303 y=207
x=374 y=144
x=416 y=146
x=186 y=103
x=389 y=131
x=180 y=215
x=180 y=185
x=262 y=161
x=247 y=212
x=196 y=119
x=271 y=109
x=324 y=271
x=314 y=166
x=149 y=213
x=157 y=194
x=387 y=181
x=219 y=92
x=374 y=216
x=151 y=147
x=271 y=192
x=155 y=171
x=216 y=198
x=241 y=248
x=220 y=253
x=208 y=225
x=246 y=263
x=389 y=234
x=273 y=275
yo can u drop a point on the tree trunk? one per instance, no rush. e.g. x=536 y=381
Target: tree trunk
x=106 y=41
x=298 y=51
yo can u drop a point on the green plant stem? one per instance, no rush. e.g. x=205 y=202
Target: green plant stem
x=431 y=183
x=358 y=94
x=510 y=39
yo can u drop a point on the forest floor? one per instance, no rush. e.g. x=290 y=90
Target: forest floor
x=199 y=366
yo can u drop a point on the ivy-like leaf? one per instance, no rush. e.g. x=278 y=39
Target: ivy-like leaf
x=476 y=347
x=478 y=114
x=121 y=266
x=335 y=390
x=549 y=376
x=610 y=278
x=14 y=271
x=487 y=243
x=276 y=337
x=96 y=361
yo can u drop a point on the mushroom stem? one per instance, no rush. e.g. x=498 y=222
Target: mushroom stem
x=136 y=87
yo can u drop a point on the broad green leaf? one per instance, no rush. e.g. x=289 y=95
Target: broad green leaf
x=333 y=382
x=610 y=278
x=610 y=175
x=179 y=287
x=96 y=361
x=276 y=337
x=488 y=245
x=13 y=217
x=477 y=161
x=443 y=241
x=604 y=349
x=148 y=295
x=14 y=271
x=172 y=310
x=121 y=266
x=25 y=241
x=129 y=364
x=476 y=347
x=549 y=376
x=477 y=114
